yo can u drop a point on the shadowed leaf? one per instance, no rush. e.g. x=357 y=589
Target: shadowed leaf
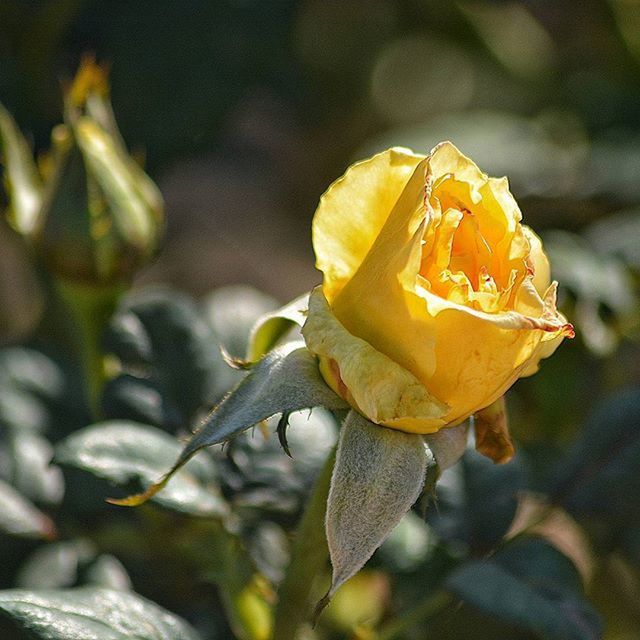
x=532 y=585
x=472 y=489
x=123 y=452
x=601 y=475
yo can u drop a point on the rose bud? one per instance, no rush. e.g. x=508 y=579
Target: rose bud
x=435 y=297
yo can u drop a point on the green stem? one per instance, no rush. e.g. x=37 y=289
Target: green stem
x=425 y=611
x=89 y=308
x=309 y=559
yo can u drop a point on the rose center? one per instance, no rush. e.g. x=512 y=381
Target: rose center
x=458 y=261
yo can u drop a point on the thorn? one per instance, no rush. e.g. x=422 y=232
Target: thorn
x=281 y=429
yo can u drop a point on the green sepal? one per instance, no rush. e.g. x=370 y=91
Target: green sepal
x=273 y=325
x=378 y=475
x=285 y=380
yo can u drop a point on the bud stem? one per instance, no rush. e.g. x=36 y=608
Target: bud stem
x=309 y=558
x=89 y=308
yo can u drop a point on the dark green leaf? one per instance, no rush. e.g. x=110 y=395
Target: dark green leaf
x=180 y=348
x=39 y=393
x=269 y=550
x=69 y=564
x=92 y=612
x=255 y=472
x=127 y=397
x=601 y=475
x=532 y=585
x=108 y=571
x=127 y=338
x=19 y=410
x=32 y=372
x=477 y=500
x=125 y=452
x=597 y=281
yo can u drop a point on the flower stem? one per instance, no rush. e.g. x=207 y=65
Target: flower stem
x=309 y=559
x=89 y=309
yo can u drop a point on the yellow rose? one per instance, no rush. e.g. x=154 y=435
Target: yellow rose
x=435 y=297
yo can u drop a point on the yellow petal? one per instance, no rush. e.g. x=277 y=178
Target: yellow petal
x=478 y=355
x=379 y=303
x=375 y=385
x=445 y=159
x=354 y=209
x=538 y=262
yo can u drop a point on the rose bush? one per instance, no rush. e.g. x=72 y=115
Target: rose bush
x=435 y=297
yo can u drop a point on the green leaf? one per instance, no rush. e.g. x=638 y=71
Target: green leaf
x=55 y=566
x=39 y=394
x=285 y=380
x=160 y=334
x=60 y=565
x=127 y=397
x=32 y=390
x=274 y=325
x=23 y=181
x=32 y=372
x=108 y=571
x=378 y=475
x=600 y=477
x=32 y=474
x=92 y=612
x=477 y=500
x=532 y=585
x=261 y=479
x=124 y=452
x=127 y=338
x=19 y=517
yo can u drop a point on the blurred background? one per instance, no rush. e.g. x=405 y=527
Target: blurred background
x=245 y=111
